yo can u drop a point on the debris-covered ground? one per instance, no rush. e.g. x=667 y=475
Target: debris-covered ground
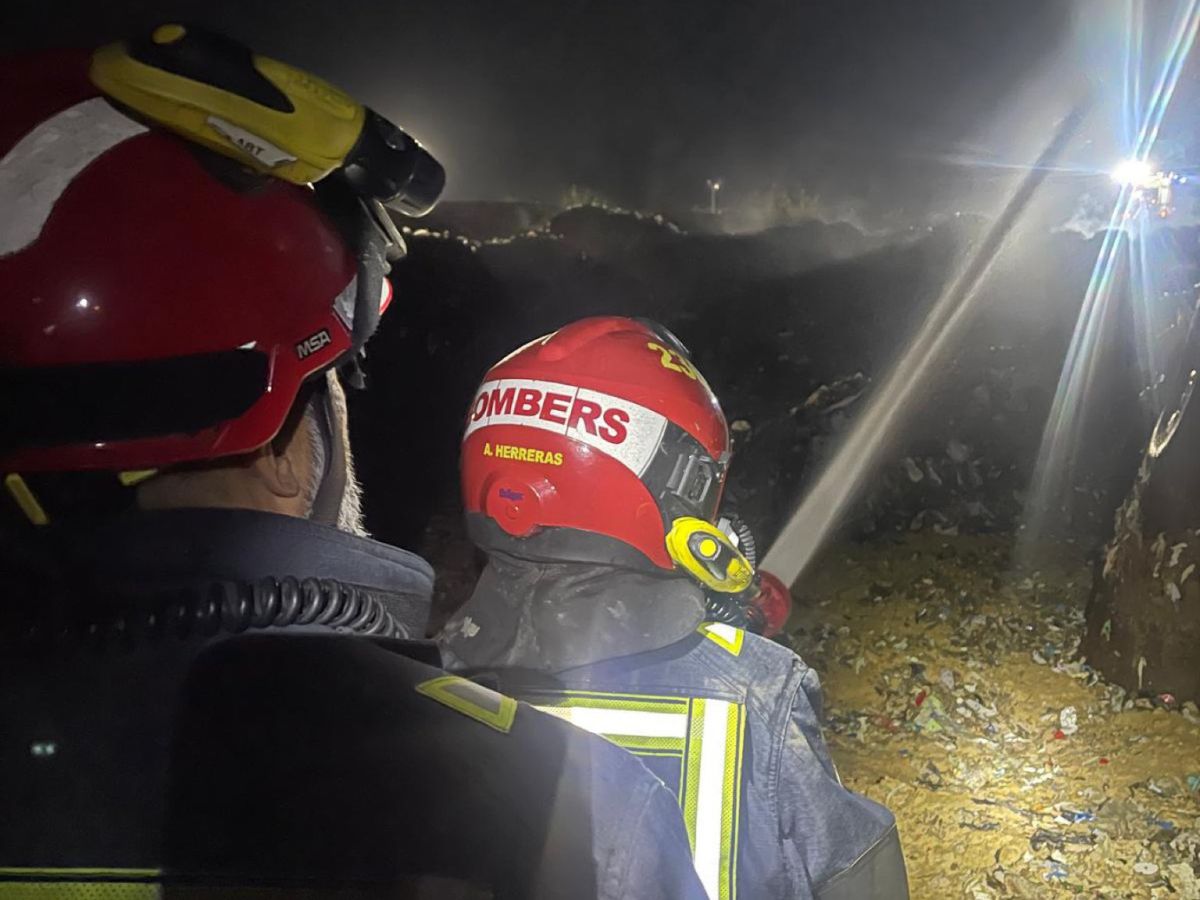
x=955 y=691
x=955 y=696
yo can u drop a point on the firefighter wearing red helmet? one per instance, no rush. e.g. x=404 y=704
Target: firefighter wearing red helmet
x=592 y=470
x=208 y=673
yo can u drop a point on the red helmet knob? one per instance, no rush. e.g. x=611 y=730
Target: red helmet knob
x=516 y=505
x=774 y=601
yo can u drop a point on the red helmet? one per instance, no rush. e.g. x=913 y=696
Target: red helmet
x=590 y=444
x=160 y=303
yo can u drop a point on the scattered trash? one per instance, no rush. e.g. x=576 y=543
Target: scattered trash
x=913 y=470
x=1074 y=817
x=838 y=394
x=957 y=695
x=958 y=451
x=1055 y=871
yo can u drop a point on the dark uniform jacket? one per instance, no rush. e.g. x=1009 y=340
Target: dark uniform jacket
x=729 y=720
x=223 y=732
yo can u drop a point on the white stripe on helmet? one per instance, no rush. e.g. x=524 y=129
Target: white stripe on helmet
x=620 y=428
x=40 y=167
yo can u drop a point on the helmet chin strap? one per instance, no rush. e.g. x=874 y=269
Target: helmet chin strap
x=327 y=504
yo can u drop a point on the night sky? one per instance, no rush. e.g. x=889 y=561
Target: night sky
x=642 y=101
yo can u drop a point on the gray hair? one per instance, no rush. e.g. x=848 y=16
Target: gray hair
x=350 y=514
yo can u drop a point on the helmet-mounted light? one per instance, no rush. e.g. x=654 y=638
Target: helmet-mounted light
x=267 y=115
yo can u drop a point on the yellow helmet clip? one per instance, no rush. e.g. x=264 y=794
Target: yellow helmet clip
x=26 y=499
x=708 y=555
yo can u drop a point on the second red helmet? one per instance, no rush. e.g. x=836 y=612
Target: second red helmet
x=587 y=444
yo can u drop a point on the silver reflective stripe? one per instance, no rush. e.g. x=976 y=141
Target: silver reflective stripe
x=622 y=722
x=710 y=799
x=42 y=165
x=706 y=738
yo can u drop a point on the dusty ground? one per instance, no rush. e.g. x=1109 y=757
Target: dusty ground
x=947 y=670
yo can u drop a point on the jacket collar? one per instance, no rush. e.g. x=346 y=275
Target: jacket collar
x=180 y=548
x=555 y=616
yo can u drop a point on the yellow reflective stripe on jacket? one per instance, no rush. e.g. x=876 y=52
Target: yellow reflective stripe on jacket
x=724 y=636
x=472 y=700
x=731 y=791
x=29 y=883
x=707 y=738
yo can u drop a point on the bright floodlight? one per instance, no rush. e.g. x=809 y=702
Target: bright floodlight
x=1134 y=172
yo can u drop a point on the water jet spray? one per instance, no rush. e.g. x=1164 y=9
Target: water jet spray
x=824 y=504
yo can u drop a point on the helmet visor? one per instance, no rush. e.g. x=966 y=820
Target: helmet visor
x=103 y=402
x=685 y=478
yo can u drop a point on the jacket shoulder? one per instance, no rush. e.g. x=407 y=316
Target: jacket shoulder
x=342 y=748
x=755 y=663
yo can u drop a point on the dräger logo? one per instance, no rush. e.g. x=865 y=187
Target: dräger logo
x=619 y=428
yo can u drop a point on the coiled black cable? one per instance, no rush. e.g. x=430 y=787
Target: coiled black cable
x=745 y=536
x=736 y=610
x=228 y=607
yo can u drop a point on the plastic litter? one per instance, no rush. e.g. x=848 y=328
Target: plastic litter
x=1073 y=817
x=957 y=450
x=913 y=471
x=1055 y=871
x=937 y=706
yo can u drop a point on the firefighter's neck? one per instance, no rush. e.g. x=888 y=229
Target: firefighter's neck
x=267 y=480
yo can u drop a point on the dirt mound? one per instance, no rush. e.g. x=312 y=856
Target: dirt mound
x=777 y=321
